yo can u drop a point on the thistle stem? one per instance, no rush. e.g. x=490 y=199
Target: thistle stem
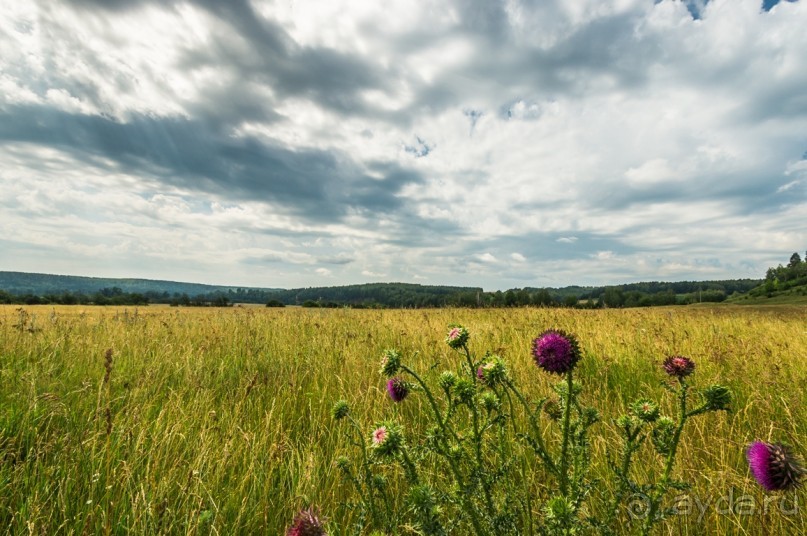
x=478 y=436
x=452 y=464
x=541 y=451
x=564 y=452
x=661 y=487
x=432 y=402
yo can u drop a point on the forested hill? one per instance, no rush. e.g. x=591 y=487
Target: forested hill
x=384 y=294
x=21 y=283
x=26 y=288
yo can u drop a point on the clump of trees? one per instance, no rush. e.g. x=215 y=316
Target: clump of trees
x=784 y=278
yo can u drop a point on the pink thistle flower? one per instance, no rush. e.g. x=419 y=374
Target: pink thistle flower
x=307 y=523
x=457 y=337
x=379 y=435
x=679 y=366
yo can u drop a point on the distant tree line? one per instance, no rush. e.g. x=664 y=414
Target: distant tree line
x=105 y=296
x=416 y=296
x=407 y=295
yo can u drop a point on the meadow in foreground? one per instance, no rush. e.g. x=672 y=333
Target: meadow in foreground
x=219 y=421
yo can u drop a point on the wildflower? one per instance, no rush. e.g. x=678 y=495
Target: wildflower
x=492 y=372
x=390 y=363
x=457 y=337
x=645 y=409
x=340 y=410
x=379 y=435
x=397 y=389
x=555 y=351
x=387 y=439
x=773 y=466
x=307 y=523
x=679 y=366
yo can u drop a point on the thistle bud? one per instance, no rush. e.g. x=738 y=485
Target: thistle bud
x=645 y=410
x=465 y=390
x=553 y=409
x=397 y=389
x=717 y=398
x=555 y=351
x=493 y=372
x=662 y=435
x=447 y=380
x=340 y=410
x=390 y=363
x=490 y=401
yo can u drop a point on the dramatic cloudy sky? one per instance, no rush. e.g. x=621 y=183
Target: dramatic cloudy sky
x=494 y=143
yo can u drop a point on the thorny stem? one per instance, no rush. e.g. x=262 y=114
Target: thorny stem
x=365 y=466
x=478 y=438
x=542 y=452
x=451 y=462
x=432 y=402
x=564 y=452
x=661 y=487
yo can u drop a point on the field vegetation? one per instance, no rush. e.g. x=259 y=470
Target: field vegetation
x=218 y=421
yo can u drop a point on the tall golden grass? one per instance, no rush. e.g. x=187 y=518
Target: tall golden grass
x=218 y=420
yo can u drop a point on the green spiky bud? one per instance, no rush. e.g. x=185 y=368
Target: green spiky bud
x=343 y=463
x=590 y=416
x=645 y=410
x=465 y=390
x=662 y=435
x=717 y=398
x=627 y=424
x=490 y=401
x=340 y=410
x=559 y=512
x=447 y=380
x=562 y=389
x=553 y=409
x=390 y=363
x=492 y=372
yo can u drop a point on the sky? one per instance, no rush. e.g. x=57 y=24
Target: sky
x=491 y=143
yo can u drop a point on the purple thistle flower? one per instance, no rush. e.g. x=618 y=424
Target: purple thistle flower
x=307 y=523
x=397 y=389
x=773 y=466
x=679 y=366
x=555 y=351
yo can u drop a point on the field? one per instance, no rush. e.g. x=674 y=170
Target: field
x=217 y=421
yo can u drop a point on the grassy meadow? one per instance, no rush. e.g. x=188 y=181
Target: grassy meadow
x=217 y=421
